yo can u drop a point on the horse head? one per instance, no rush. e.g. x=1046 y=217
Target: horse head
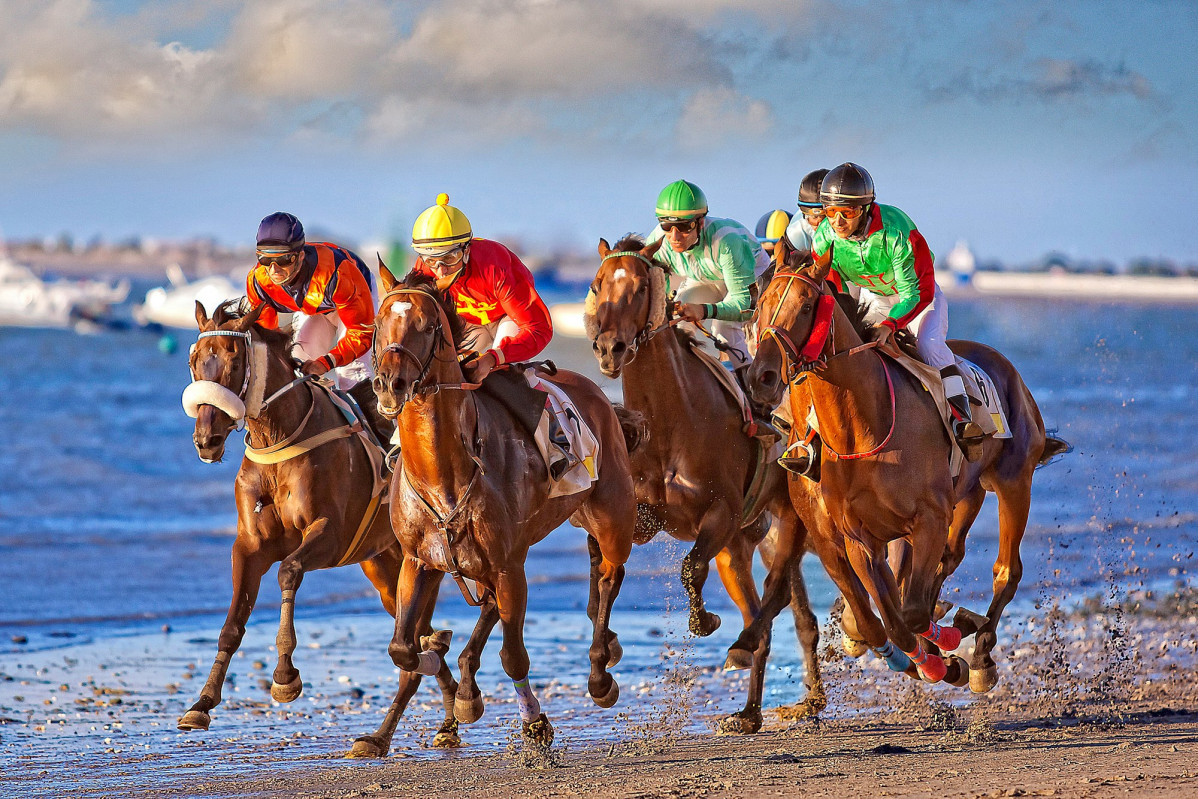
x=220 y=364
x=415 y=329
x=793 y=316
x=627 y=302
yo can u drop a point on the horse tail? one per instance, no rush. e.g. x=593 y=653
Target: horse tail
x=633 y=426
x=1053 y=447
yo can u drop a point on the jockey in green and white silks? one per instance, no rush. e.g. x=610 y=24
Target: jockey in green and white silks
x=714 y=263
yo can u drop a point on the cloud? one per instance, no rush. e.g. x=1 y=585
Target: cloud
x=715 y=116
x=1047 y=80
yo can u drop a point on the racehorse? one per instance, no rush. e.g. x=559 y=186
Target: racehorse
x=693 y=474
x=471 y=495
x=885 y=475
x=306 y=492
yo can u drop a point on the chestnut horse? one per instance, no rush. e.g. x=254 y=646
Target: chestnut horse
x=693 y=473
x=311 y=509
x=471 y=495
x=885 y=476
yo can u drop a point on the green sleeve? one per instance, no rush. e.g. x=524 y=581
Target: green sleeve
x=736 y=262
x=906 y=282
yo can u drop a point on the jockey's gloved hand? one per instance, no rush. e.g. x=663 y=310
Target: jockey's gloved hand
x=316 y=366
x=480 y=367
x=690 y=311
x=883 y=334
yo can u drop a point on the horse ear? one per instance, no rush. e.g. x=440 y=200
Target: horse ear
x=388 y=280
x=818 y=267
x=652 y=249
x=604 y=248
x=201 y=315
x=247 y=321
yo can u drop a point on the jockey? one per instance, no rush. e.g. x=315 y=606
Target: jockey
x=878 y=248
x=801 y=230
x=770 y=228
x=506 y=320
x=718 y=260
x=330 y=288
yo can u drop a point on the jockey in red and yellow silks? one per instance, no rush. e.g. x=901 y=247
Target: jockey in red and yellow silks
x=493 y=291
x=328 y=286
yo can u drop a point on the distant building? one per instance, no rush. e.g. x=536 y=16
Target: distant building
x=960 y=263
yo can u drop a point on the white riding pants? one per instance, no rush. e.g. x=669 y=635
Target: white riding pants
x=480 y=338
x=930 y=327
x=316 y=335
x=709 y=291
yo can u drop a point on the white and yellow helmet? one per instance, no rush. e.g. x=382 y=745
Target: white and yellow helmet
x=440 y=228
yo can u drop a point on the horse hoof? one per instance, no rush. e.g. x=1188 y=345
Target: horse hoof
x=738 y=660
x=983 y=679
x=539 y=731
x=608 y=698
x=367 y=746
x=852 y=647
x=741 y=723
x=969 y=622
x=289 y=692
x=447 y=737
x=704 y=624
x=437 y=642
x=941 y=609
x=615 y=652
x=468 y=710
x=958 y=671
x=194 y=720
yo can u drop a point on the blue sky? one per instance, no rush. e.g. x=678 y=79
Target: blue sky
x=1022 y=127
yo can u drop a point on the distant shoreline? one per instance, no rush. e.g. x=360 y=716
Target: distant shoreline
x=1079 y=285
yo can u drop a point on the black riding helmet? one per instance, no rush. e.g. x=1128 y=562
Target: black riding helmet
x=847 y=185
x=809 y=189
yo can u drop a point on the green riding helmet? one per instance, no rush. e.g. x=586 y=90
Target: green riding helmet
x=681 y=200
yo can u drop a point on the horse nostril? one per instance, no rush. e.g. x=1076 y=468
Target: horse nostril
x=377 y=384
x=769 y=377
x=618 y=348
x=595 y=345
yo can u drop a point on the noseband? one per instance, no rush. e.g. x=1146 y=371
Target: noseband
x=246 y=403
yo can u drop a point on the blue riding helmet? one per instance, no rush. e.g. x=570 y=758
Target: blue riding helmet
x=281 y=230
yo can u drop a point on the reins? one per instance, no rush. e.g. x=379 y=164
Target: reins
x=811 y=356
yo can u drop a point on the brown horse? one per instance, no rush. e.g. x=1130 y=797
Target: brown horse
x=693 y=473
x=471 y=495
x=308 y=504
x=885 y=476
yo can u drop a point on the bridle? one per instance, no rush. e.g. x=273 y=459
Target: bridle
x=251 y=410
x=648 y=331
x=813 y=355
x=440 y=336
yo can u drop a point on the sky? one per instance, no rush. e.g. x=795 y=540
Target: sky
x=1021 y=127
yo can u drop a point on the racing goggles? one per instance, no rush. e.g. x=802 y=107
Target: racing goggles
x=814 y=212
x=681 y=225
x=845 y=212
x=281 y=259
x=450 y=257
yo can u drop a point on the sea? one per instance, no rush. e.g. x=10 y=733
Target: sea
x=115 y=552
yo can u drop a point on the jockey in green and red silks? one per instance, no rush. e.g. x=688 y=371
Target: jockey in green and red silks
x=878 y=248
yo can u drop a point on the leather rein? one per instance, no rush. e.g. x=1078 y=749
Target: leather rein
x=813 y=356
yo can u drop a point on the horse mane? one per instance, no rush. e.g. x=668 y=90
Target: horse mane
x=856 y=312
x=634 y=242
x=428 y=285
x=232 y=310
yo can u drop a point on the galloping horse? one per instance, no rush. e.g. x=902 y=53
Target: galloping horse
x=471 y=495
x=886 y=475
x=305 y=492
x=693 y=474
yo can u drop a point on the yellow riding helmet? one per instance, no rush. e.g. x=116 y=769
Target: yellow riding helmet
x=441 y=227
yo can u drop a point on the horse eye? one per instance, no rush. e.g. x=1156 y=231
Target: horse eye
x=641 y=289
x=806 y=308
x=595 y=285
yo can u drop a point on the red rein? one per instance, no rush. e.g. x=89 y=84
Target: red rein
x=819 y=329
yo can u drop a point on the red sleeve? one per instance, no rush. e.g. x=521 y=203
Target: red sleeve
x=355 y=309
x=270 y=317
x=520 y=302
x=925 y=275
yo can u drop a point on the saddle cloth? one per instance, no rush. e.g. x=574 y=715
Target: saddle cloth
x=582 y=449
x=374 y=448
x=725 y=378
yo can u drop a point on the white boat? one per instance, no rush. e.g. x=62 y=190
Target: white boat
x=567 y=319
x=175 y=305
x=27 y=300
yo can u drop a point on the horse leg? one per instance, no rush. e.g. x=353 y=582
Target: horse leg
x=468 y=705
x=383 y=572
x=321 y=547
x=858 y=621
x=416 y=598
x=250 y=563
x=712 y=536
x=511 y=595
x=735 y=566
x=807 y=630
x=873 y=569
x=606 y=578
x=1014 y=502
x=852 y=640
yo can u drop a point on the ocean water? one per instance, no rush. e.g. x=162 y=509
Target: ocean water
x=112 y=530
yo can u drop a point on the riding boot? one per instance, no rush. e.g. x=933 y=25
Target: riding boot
x=968 y=432
x=559 y=449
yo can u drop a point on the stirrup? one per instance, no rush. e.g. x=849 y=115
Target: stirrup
x=803 y=458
